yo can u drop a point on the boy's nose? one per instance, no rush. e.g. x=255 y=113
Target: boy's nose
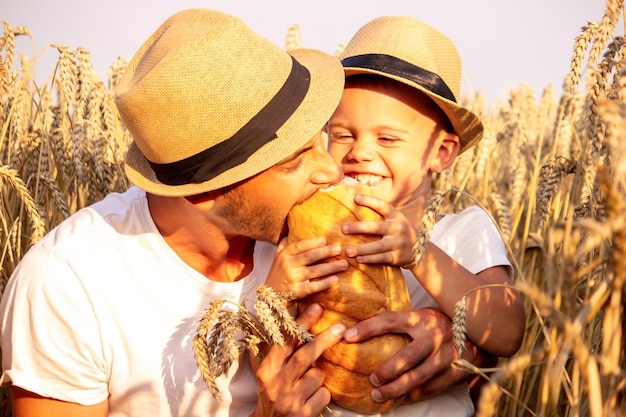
x=360 y=152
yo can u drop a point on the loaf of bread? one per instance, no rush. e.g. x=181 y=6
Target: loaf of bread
x=363 y=291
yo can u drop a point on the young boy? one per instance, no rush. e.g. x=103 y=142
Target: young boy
x=397 y=124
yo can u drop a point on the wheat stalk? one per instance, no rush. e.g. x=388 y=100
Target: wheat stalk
x=217 y=344
x=11 y=177
x=293 y=39
x=459 y=327
x=550 y=177
x=491 y=393
x=502 y=214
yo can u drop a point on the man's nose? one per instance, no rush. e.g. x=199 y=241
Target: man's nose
x=328 y=171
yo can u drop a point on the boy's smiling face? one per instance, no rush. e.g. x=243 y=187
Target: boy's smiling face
x=389 y=135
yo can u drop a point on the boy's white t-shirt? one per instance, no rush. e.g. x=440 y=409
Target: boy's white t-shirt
x=471 y=238
x=103 y=308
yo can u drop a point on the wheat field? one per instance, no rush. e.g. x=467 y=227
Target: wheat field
x=551 y=170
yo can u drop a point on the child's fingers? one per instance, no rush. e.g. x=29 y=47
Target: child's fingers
x=387 y=250
x=282 y=245
x=370 y=248
x=309 y=259
x=317 y=278
x=305 y=288
x=302 y=246
x=377 y=204
x=327 y=268
x=378 y=258
x=365 y=228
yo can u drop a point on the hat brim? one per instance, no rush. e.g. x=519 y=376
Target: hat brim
x=324 y=93
x=465 y=123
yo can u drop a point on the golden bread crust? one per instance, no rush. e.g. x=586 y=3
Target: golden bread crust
x=362 y=291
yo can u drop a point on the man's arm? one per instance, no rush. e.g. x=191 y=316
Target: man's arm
x=423 y=368
x=28 y=404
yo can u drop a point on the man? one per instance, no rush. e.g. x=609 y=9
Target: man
x=99 y=316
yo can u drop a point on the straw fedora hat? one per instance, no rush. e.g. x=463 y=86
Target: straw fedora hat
x=414 y=53
x=209 y=103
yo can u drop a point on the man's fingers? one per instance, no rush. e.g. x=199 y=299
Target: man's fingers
x=320 y=398
x=403 y=361
x=432 y=375
x=299 y=367
x=277 y=355
x=282 y=245
x=310 y=316
x=304 y=357
x=302 y=360
x=436 y=384
x=424 y=323
x=377 y=325
x=420 y=377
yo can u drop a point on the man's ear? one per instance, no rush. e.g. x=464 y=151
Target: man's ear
x=449 y=146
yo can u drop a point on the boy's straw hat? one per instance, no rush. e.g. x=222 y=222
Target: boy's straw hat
x=209 y=103
x=414 y=53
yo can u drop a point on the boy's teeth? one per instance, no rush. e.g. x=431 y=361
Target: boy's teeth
x=367 y=179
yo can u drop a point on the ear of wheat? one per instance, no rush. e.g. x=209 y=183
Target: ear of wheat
x=227 y=330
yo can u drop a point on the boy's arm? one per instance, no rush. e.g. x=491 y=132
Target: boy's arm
x=495 y=315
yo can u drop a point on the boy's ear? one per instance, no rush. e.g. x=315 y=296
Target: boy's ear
x=448 y=150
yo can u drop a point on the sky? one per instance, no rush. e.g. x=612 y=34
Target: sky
x=503 y=43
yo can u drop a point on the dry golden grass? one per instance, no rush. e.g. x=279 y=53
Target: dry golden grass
x=558 y=169
x=61 y=147
x=551 y=170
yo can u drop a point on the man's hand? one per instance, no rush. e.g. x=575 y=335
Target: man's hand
x=287 y=384
x=423 y=368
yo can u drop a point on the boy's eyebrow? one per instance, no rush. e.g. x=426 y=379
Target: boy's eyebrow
x=336 y=123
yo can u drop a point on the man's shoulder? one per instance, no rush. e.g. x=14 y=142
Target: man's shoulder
x=93 y=218
x=83 y=236
x=117 y=201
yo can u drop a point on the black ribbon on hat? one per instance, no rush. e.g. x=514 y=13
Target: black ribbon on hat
x=400 y=68
x=260 y=130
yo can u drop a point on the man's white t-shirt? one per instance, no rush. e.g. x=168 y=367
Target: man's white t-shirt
x=103 y=308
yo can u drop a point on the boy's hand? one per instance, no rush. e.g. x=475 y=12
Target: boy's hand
x=398 y=236
x=298 y=267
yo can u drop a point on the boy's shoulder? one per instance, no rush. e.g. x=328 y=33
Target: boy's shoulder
x=467 y=214
x=471 y=221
